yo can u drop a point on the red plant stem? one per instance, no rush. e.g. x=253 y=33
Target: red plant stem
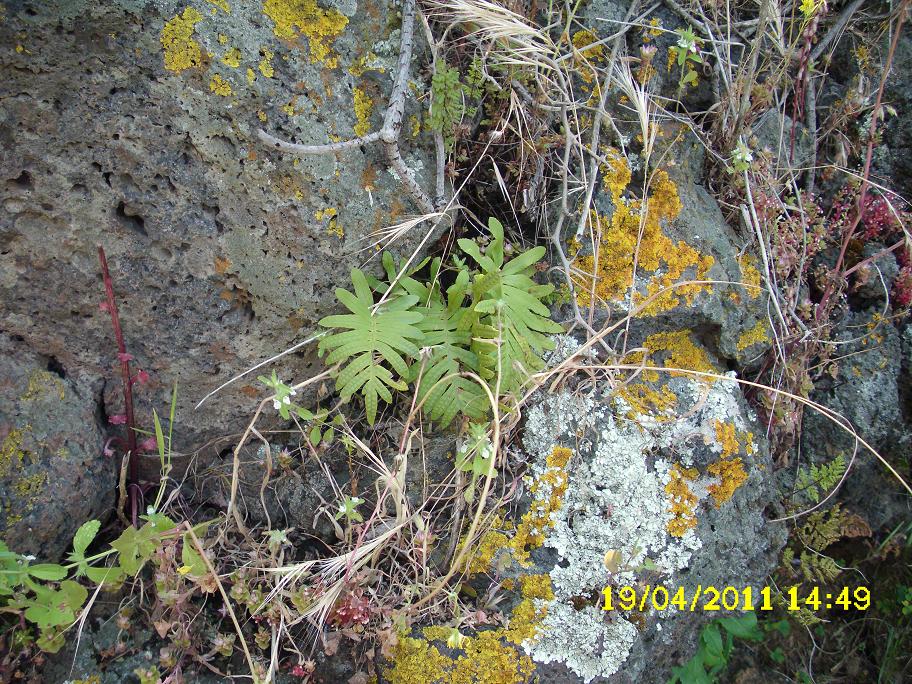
x=875 y=257
x=127 y=386
x=869 y=155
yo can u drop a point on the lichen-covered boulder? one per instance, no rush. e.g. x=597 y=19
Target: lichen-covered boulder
x=659 y=485
x=134 y=125
x=53 y=474
x=693 y=270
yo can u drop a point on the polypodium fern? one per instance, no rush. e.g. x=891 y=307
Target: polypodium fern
x=512 y=321
x=491 y=323
x=371 y=337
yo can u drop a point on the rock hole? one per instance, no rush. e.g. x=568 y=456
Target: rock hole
x=128 y=219
x=23 y=181
x=54 y=366
x=107 y=177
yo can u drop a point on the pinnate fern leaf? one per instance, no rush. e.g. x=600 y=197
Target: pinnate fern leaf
x=372 y=343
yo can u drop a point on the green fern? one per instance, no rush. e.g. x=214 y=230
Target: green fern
x=491 y=323
x=446 y=102
x=817 y=480
x=822 y=528
x=819 y=568
x=512 y=321
x=371 y=338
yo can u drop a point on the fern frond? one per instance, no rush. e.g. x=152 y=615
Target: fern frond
x=372 y=338
x=511 y=316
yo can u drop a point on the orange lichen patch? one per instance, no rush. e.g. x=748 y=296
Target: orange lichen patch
x=222 y=264
x=181 y=51
x=731 y=475
x=548 y=491
x=677 y=350
x=759 y=334
x=220 y=86
x=294 y=18
x=750 y=276
x=364 y=106
x=683 y=500
x=726 y=435
x=645 y=400
x=634 y=234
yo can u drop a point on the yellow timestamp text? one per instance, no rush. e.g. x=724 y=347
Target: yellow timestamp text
x=709 y=598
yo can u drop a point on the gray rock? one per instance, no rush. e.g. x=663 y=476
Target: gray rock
x=611 y=491
x=222 y=251
x=894 y=157
x=866 y=390
x=53 y=475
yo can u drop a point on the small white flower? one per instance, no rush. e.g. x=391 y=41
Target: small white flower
x=276 y=404
x=286 y=400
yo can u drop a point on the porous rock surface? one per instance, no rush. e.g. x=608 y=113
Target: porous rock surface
x=133 y=125
x=53 y=475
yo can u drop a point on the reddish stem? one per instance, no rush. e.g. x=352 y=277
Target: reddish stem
x=127 y=387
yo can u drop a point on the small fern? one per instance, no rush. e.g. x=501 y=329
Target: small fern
x=816 y=481
x=490 y=322
x=447 y=105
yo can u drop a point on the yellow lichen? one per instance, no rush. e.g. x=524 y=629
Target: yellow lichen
x=414 y=126
x=750 y=277
x=42 y=383
x=756 y=335
x=232 y=58
x=634 y=234
x=679 y=351
x=683 y=500
x=11 y=452
x=181 y=51
x=265 y=65
x=251 y=77
x=587 y=54
x=220 y=86
x=726 y=435
x=530 y=612
x=415 y=661
x=548 y=493
x=731 y=475
x=304 y=17
x=487 y=660
x=645 y=400
x=222 y=5
x=364 y=106
x=222 y=39
x=261 y=115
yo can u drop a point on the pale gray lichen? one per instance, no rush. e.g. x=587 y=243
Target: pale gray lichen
x=615 y=501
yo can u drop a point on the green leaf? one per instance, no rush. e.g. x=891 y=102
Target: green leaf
x=106 y=575
x=371 y=340
x=47 y=571
x=84 y=536
x=742 y=627
x=712 y=644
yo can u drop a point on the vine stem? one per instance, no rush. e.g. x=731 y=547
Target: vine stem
x=127 y=387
